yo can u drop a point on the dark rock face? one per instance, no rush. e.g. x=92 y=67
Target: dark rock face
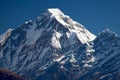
x=7 y=75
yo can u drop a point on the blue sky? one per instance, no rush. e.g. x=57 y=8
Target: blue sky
x=95 y=15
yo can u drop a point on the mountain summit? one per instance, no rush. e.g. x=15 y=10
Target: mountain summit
x=53 y=47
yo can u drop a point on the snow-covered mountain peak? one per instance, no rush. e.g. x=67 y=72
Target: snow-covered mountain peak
x=108 y=31
x=55 y=46
x=59 y=16
x=55 y=11
x=107 y=34
x=74 y=27
x=55 y=20
x=45 y=39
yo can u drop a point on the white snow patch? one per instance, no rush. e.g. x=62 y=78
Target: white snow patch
x=55 y=11
x=88 y=61
x=4 y=36
x=87 y=65
x=72 y=58
x=59 y=15
x=62 y=67
x=90 y=51
x=92 y=59
x=64 y=61
x=82 y=33
x=55 y=40
x=59 y=59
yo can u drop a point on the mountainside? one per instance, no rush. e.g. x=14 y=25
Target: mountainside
x=55 y=47
x=107 y=56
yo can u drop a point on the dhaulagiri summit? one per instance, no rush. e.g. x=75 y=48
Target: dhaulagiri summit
x=55 y=47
